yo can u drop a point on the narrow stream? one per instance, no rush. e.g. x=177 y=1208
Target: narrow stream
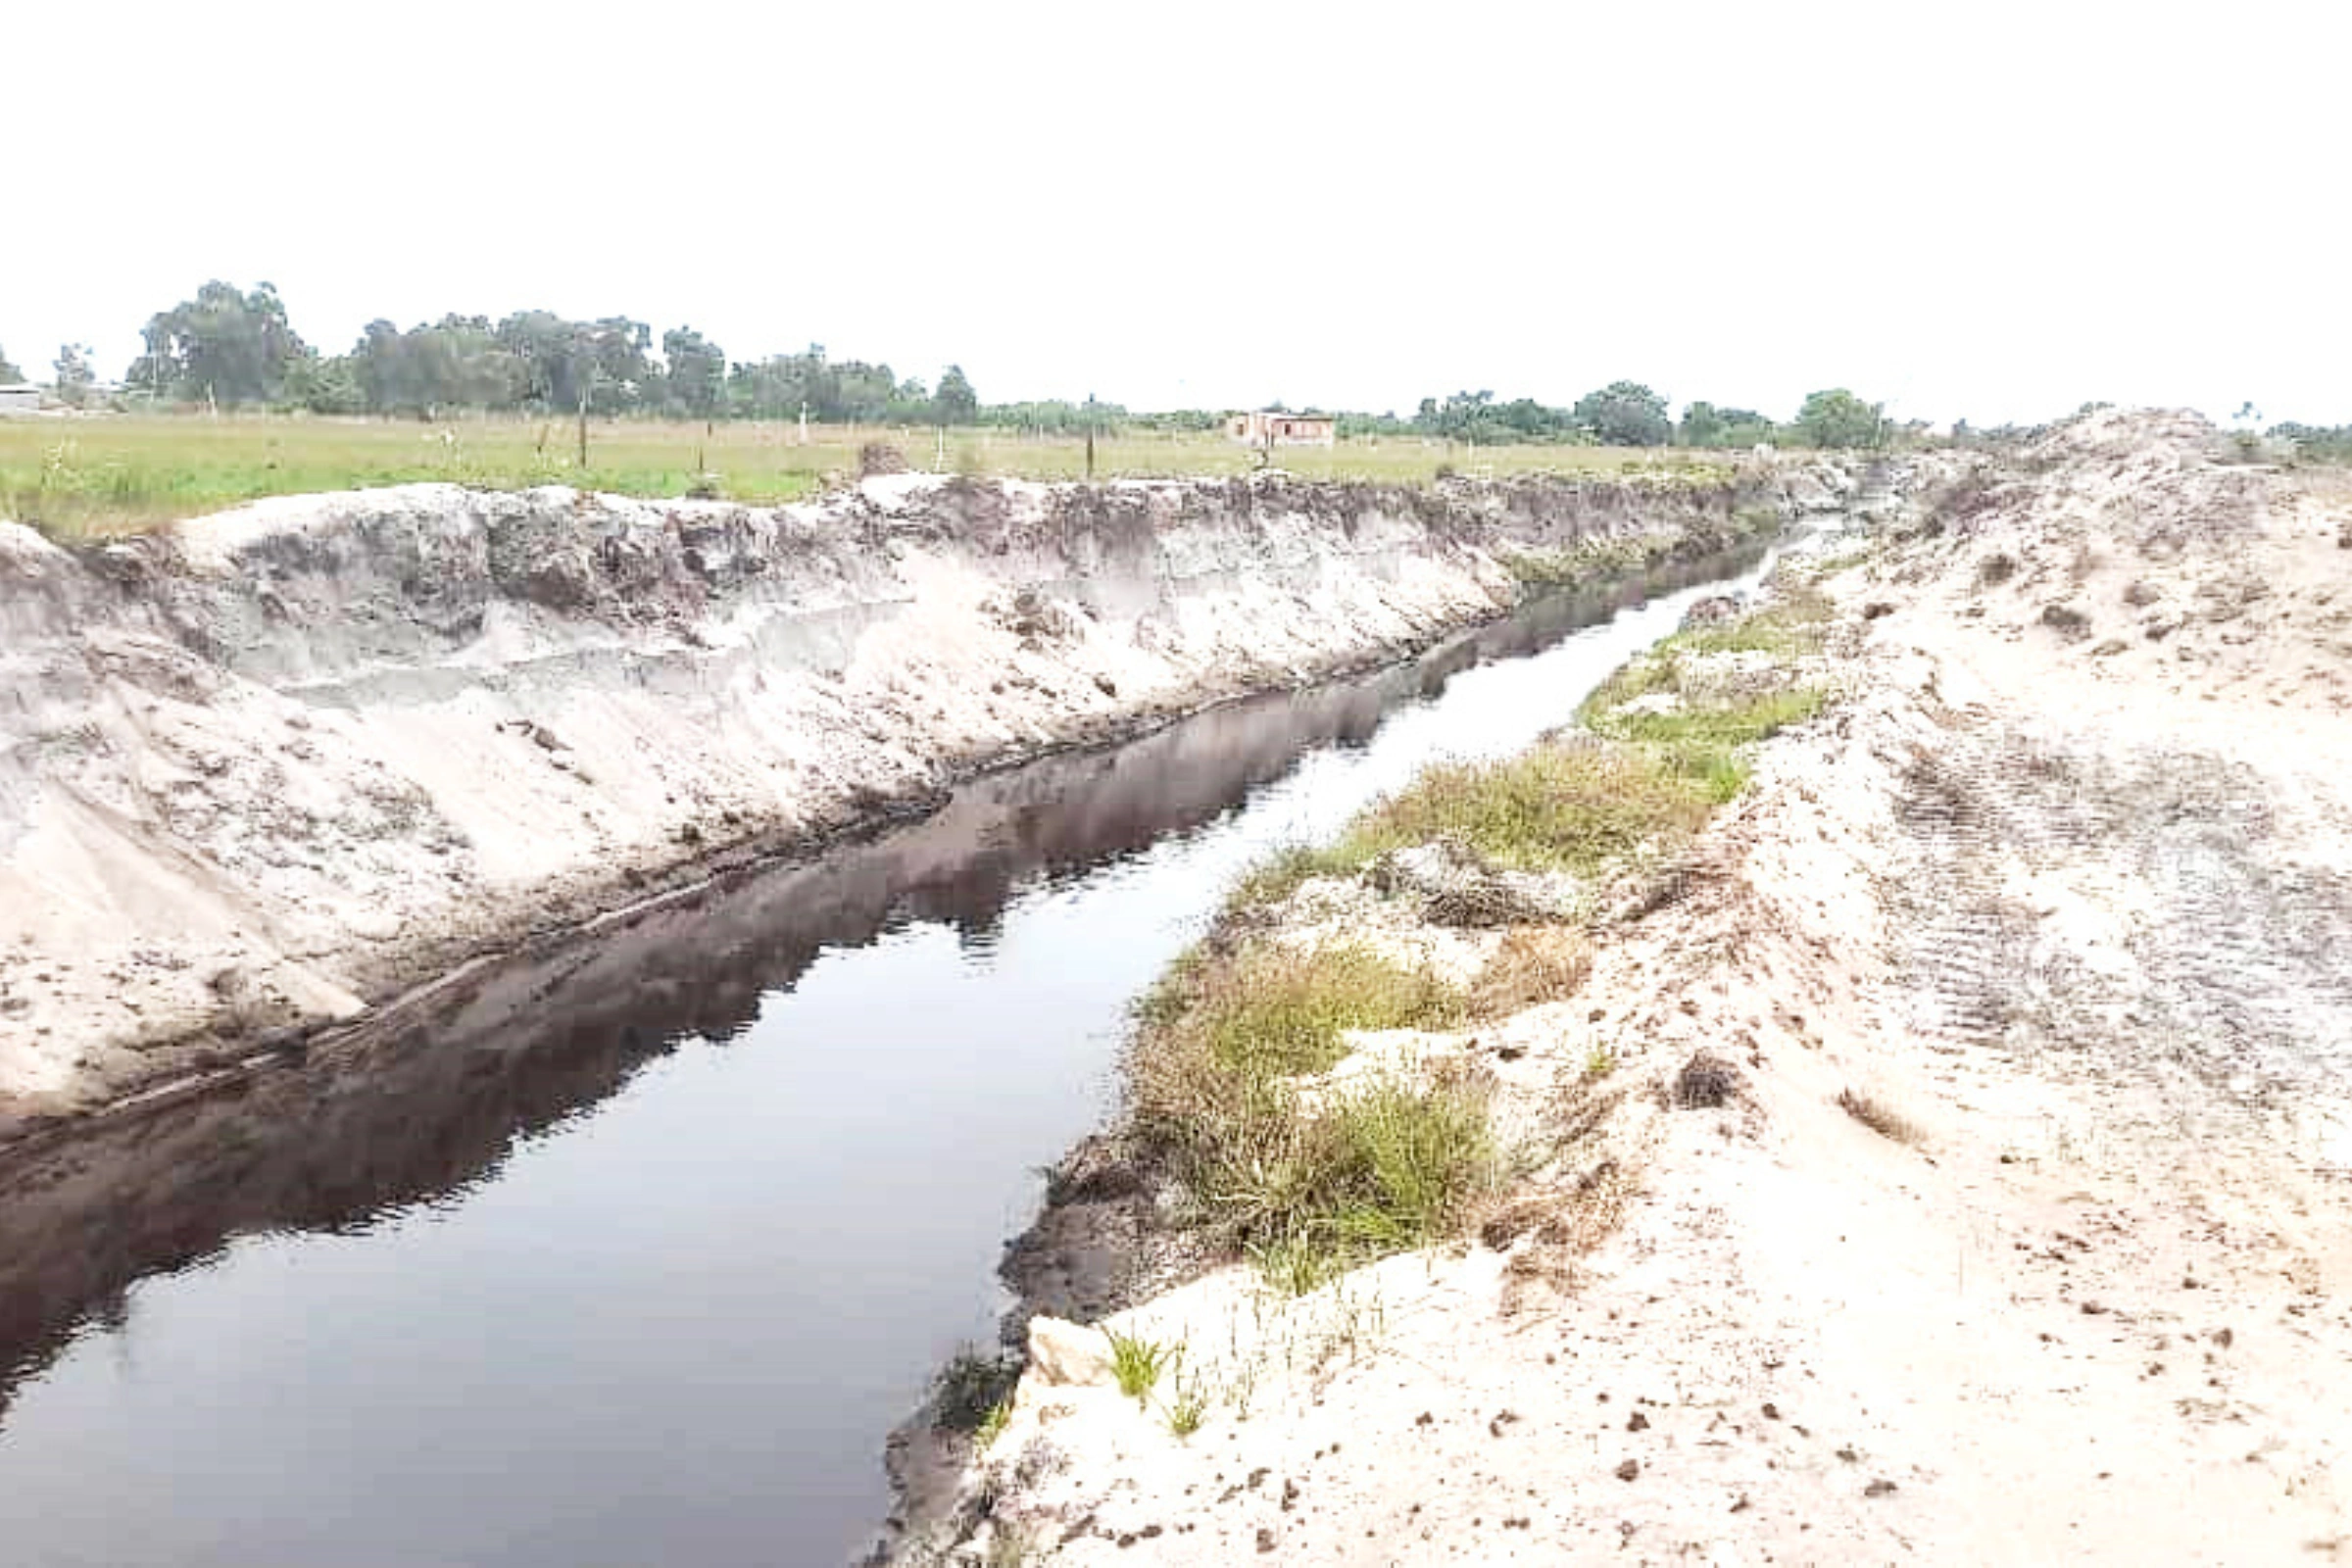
x=635 y=1250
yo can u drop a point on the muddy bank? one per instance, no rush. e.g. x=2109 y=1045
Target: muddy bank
x=268 y=769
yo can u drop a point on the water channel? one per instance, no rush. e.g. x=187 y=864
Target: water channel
x=633 y=1250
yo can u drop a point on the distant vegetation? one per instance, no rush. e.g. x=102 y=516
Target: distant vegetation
x=2324 y=443
x=227 y=348
x=537 y=398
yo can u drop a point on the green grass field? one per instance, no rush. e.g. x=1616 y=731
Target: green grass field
x=113 y=473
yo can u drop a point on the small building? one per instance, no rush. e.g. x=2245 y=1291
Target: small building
x=19 y=399
x=1265 y=429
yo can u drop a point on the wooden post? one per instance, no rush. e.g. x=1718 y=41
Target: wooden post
x=1090 y=438
x=583 y=433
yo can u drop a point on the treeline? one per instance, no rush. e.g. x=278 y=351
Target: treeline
x=1627 y=413
x=228 y=348
x=232 y=348
x=2331 y=443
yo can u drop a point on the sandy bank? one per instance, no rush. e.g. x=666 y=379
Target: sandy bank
x=1953 y=1164
x=266 y=769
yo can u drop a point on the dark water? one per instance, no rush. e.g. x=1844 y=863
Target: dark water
x=634 y=1251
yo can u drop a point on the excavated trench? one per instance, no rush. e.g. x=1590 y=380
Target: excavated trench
x=635 y=1248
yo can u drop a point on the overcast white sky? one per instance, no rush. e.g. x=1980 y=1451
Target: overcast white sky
x=1990 y=210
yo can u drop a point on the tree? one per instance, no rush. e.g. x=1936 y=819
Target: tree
x=1701 y=427
x=1704 y=424
x=326 y=385
x=1625 y=413
x=1461 y=417
x=1839 y=418
x=956 y=400
x=620 y=362
x=10 y=375
x=222 y=345
x=75 y=377
x=540 y=343
x=696 y=377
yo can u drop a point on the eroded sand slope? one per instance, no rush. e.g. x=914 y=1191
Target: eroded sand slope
x=2064 y=901
x=272 y=765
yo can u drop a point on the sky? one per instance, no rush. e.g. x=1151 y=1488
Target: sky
x=1993 y=211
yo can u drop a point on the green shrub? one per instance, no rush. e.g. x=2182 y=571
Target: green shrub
x=971 y=1388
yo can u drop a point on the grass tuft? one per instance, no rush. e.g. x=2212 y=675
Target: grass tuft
x=1703 y=742
x=1308 y=1182
x=1565 y=805
x=1188 y=1407
x=1137 y=1362
x=1290 y=1263
x=1276 y=1012
x=1281 y=873
x=1402 y=1159
x=992 y=1425
x=1305 y=1190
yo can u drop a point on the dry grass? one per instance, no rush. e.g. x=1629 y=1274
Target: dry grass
x=1878 y=1116
x=110 y=474
x=1531 y=964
